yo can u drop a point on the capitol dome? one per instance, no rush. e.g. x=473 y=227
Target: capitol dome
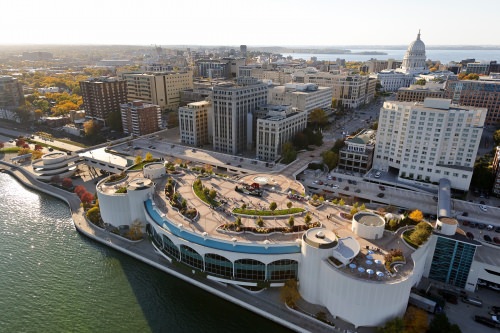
x=417 y=47
x=414 y=59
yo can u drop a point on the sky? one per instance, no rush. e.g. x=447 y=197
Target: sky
x=250 y=22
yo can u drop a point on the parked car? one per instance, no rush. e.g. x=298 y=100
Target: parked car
x=487 y=238
x=380 y=195
x=473 y=225
x=465 y=214
x=481 y=225
x=335 y=186
x=489 y=227
x=382 y=188
x=469 y=235
x=465 y=223
x=483 y=208
x=486 y=321
x=377 y=174
x=346 y=188
x=496 y=240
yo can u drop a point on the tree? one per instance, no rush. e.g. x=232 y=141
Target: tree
x=184 y=203
x=416 y=216
x=114 y=121
x=138 y=159
x=289 y=293
x=288 y=153
x=440 y=323
x=289 y=204
x=94 y=215
x=67 y=182
x=91 y=129
x=341 y=202
x=415 y=320
x=87 y=198
x=330 y=158
x=238 y=221
x=496 y=137
x=273 y=205
x=334 y=103
x=212 y=194
x=307 y=218
x=79 y=190
x=395 y=325
x=421 y=82
x=260 y=221
x=337 y=145
x=318 y=117
x=362 y=207
x=148 y=157
x=291 y=221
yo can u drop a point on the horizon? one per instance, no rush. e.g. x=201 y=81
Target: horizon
x=262 y=23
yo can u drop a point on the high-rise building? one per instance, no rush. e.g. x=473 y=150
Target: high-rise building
x=477 y=93
x=303 y=96
x=429 y=141
x=194 y=123
x=163 y=89
x=243 y=50
x=140 y=118
x=277 y=127
x=11 y=92
x=233 y=105
x=103 y=95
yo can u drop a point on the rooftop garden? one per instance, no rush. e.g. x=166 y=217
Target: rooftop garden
x=205 y=194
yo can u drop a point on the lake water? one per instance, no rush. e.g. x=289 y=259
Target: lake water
x=445 y=56
x=52 y=279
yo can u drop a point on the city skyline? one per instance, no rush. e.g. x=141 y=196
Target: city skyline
x=260 y=23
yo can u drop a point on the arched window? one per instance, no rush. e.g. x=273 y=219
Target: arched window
x=284 y=269
x=249 y=269
x=191 y=258
x=169 y=248
x=218 y=265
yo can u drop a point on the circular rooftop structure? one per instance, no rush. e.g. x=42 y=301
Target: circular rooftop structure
x=139 y=184
x=447 y=225
x=52 y=158
x=154 y=170
x=261 y=180
x=368 y=225
x=321 y=238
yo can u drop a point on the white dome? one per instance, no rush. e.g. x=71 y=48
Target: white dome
x=417 y=47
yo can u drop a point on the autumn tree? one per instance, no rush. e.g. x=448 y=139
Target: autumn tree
x=289 y=204
x=79 y=190
x=91 y=129
x=148 y=157
x=273 y=205
x=114 y=121
x=290 y=293
x=94 y=215
x=307 y=218
x=318 y=117
x=395 y=325
x=416 y=216
x=138 y=159
x=415 y=320
x=87 y=198
x=67 y=182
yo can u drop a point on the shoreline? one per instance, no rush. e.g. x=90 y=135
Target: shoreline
x=216 y=288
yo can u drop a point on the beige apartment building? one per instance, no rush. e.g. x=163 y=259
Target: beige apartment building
x=352 y=90
x=280 y=125
x=417 y=93
x=303 y=96
x=194 y=123
x=163 y=89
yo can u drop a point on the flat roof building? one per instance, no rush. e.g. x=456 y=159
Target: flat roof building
x=194 y=120
x=429 y=141
x=357 y=153
x=303 y=96
x=140 y=118
x=11 y=92
x=103 y=95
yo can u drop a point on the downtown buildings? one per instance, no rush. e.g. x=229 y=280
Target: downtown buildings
x=194 y=123
x=428 y=141
x=11 y=93
x=305 y=97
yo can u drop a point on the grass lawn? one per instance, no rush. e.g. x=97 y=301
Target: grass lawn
x=199 y=192
x=10 y=150
x=406 y=236
x=277 y=212
x=140 y=165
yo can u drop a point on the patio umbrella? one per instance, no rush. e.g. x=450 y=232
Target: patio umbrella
x=352 y=266
x=378 y=262
x=370 y=272
x=361 y=270
x=369 y=257
x=370 y=252
x=369 y=262
x=380 y=274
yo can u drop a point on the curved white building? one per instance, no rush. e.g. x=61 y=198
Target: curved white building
x=119 y=209
x=368 y=225
x=154 y=170
x=55 y=164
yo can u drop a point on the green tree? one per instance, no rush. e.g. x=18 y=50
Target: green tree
x=291 y=221
x=337 y=145
x=94 y=215
x=260 y=221
x=289 y=204
x=238 y=221
x=395 y=325
x=307 y=218
x=341 y=202
x=114 y=121
x=288 y=153
x=212 y=194
x=421 y=82
x=331 y=159
x=496 y=137
x=318 y=117
x=440 y=323
x=273 y=205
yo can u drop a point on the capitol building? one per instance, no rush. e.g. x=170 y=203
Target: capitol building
x=413 y=65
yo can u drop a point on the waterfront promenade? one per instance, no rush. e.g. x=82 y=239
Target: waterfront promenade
x=265 y=303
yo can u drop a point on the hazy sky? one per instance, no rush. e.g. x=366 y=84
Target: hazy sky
x=251 y=22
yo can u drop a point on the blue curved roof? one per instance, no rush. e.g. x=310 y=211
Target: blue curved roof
x=217 y=243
